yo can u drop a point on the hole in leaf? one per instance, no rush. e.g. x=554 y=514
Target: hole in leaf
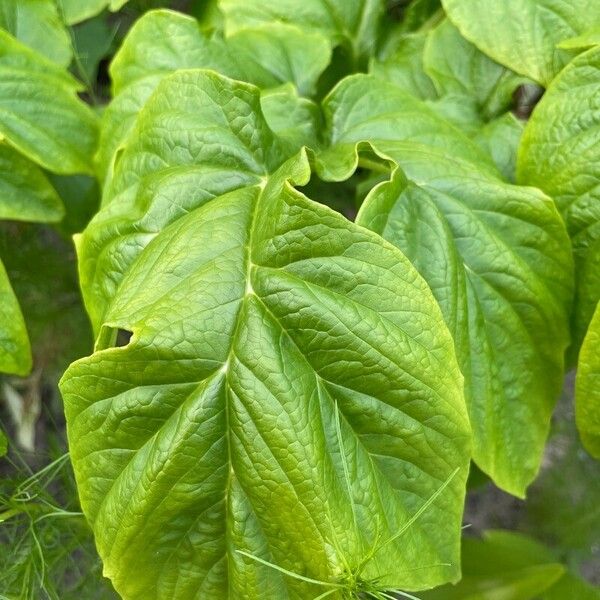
x=113 y=337
x=123 y=337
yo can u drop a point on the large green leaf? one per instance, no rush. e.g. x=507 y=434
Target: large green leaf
x=353 y=24
x=559 y=153
x=40 y=113
x=503 y=566
x=15 y=353
x=163 y=41
x=25 y=193
x=140 y=197
x=496 y=257
x=290 y=389
x=524 y=34
x=37 y=23
x=587 y=388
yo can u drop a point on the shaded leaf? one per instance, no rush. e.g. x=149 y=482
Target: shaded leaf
x=37 y=24
x=25 y=192
x=404 y=66
x=40 y=113
x=3 y=444
x=502 y=565
x=587 y=388
x=15 y=352
x=458 y=68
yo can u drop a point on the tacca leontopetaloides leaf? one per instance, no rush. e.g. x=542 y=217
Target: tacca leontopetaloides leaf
x=25 y=195
x=501 y=138
x=460 y=83
x=401 y=62
x=25 y=192
x=524 y=35
x=139 y=198
x=458 y=68
x=495 y=255
x=289 y=391
x=75 y=11
x=40 y=113
x=38 y=24
x=162 y=41
x=587 y=388
x=353 y=24
x=559 y=153
x=15 y=351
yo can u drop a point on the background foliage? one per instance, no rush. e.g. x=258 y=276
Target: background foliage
x=467 y=84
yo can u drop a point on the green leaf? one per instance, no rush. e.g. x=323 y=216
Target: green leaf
x=503 y=565
x=276 y=53
x=364 y=108
x=139 y=197
x=290 y=389
x=268 y=56
x=43 y=274
x=524 y=35
x=462 y=112
x=92 y=42
x=404 y=66
x=80 y=195
x=15 y=353
x=559 y=154
x=458 y=68
x=75 y=11
x=353 y=24
x=496 y=257
x=37 y=24
x=460 y=83
x=40 y=113
x=294 y=119
x=25 y=192
x=3 y=444
x=587 y=388
x=501 y=138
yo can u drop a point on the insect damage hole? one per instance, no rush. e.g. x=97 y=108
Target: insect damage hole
x=113 y=337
